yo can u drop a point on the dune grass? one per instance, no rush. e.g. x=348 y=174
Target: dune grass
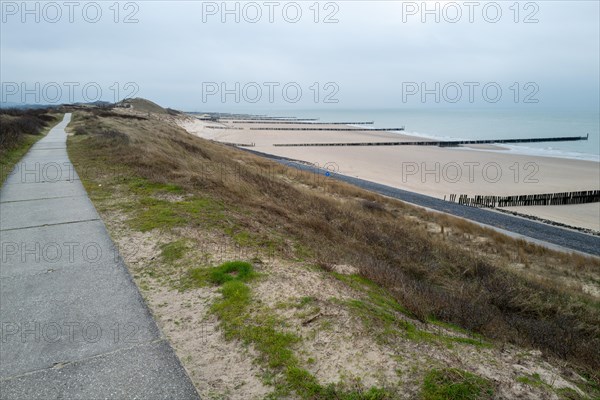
x=443 y=277
x=451 y=383
x=9 y=158
x=173 y=251
x=380 y=312
x=230 y=271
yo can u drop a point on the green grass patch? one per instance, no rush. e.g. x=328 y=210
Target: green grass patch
x=456 y=328
x=454 y=384
x=306 y=385
x=384 y=318
x=531 y=380
x=145 y=187
x=377 y=295
x=477 y=342
x=173 y=251
x=194 y=278
x=590 y=384
x=267 y=243
x=243 y=238
x=302 y=252
x=9 y=158
x=230 y=271
x=306 y=300
x=152 y=213
x=233 y=270
x=297 y=303
x=569 y=394
x=231 y=308
x=155 y=214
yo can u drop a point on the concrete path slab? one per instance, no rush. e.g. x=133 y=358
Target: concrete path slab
x=38 y=191
x=51 y=248
x=50 y=144
x=153 y=372
x=41 y=169
x=58 y=210
x=72 y=323
x=70 y=314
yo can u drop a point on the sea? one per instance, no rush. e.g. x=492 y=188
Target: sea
x=456 y=124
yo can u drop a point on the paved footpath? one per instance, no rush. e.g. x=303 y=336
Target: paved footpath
x=72 y=322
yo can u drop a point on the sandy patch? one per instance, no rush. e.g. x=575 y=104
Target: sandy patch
x=219 y=369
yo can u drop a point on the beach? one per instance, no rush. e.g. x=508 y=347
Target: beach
x=431 y=170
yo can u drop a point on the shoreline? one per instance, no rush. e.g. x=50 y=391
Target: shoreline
x=509 y=148
x=430 y=170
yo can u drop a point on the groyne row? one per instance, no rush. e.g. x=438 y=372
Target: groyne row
x=439 y=143
x=330 y=129
x=259 y=118
x=544 y=199
x=300 y=122
x=224 y=127
x=236 y=144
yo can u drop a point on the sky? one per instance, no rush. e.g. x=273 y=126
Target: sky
x=232 y=56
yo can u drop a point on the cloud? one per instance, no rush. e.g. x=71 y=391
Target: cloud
x=176 y=47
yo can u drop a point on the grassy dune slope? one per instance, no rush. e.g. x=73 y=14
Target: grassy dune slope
x=424 y=289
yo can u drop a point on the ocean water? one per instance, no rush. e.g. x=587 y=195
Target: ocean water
x=482 y=124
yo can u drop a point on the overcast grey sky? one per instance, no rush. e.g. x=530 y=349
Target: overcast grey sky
x=378 y=54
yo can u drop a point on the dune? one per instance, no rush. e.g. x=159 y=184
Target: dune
x=435 y=171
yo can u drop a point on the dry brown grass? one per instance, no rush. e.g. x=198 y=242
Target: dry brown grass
x=19 y=130
x=486 y=282
x=15 y=124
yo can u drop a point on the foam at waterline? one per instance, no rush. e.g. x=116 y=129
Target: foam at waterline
x=515 y=149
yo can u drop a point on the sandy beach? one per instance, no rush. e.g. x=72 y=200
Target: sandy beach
x=435 y=171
